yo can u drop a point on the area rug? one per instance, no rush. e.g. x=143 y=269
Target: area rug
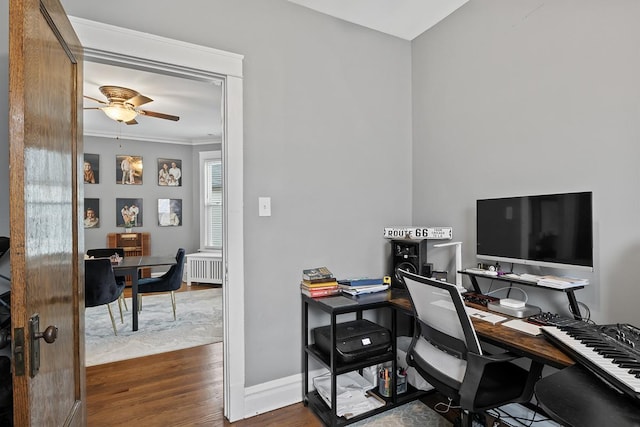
x=199 y=322
x=412 y=414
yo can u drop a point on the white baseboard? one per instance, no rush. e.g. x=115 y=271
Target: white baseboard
x=275 y=394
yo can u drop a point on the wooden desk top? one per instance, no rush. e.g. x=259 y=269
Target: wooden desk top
x=534 y=347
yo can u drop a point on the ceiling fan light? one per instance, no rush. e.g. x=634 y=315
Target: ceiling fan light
x=120 y=114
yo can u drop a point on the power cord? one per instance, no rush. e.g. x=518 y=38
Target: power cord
x=447 y=406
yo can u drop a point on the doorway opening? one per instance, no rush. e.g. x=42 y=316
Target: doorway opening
x=122 y=47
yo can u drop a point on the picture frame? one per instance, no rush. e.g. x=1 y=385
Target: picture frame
x=91 y=168
x=91 y=213
x=170 y=172
x=128 y=169
x=129 y=212
x=169 y=212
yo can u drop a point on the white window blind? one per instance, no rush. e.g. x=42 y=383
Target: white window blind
x=213 y=203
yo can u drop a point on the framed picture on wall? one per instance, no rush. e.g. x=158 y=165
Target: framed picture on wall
x=128 y=213
x=128 y=169
x=91 y=213
x=170 y=172
x=169 y=212
x=91 y=168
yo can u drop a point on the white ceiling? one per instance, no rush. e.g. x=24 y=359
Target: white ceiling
x=198 y=103
x=406 y=19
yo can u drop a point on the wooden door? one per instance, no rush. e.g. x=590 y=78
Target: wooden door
x=45 y=131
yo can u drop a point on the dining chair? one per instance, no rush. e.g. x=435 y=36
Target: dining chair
x=445 y=350
x=106 y=253
x=101 y=286
x=168 y=282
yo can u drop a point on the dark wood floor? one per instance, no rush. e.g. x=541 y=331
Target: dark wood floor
x=179 y=388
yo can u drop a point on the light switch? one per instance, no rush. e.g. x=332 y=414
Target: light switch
x=264 y=206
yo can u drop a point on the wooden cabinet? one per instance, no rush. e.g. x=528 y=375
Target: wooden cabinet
x=134 y=244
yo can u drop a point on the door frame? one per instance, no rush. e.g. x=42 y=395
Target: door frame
x=121 y=46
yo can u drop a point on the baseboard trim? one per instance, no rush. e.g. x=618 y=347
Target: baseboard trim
x=275 y=394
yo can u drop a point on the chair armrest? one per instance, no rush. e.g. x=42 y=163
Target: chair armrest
x=478 y=367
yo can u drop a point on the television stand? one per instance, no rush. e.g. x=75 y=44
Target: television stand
x=573 y=302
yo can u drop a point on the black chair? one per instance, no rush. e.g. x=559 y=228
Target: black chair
x=446 y=352
x=101 y=286
x=106 y=253
x=168 y=282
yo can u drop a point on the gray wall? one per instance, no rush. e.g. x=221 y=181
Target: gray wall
x=526 y=97
x=164 y=240
x=327 y=135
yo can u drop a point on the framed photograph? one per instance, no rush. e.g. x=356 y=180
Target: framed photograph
x=91 y=213
x=169 y=212
x=128 y=170
x=170 y=172
x=128 y=213
x=91 y=168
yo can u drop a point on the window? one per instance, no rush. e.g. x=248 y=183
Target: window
x=211 y=206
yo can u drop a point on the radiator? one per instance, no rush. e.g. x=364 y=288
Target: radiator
x=204 y=267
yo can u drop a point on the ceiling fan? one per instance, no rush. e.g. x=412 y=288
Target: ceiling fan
x=122 y=105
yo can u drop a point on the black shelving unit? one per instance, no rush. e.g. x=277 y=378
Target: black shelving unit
x=334 y=307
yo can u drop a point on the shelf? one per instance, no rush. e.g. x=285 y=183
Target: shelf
x=504 y=278
x=573 y=302
x=342 y=367
x=324 y=412
x=335 y=307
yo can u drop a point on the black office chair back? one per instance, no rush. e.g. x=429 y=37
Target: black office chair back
x=440 y=309
x=105 y=252
x=100 y=285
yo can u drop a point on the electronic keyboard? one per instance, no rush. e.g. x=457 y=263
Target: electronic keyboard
x=612 y=352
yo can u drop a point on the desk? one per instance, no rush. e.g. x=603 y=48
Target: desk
x=131 y=265
x=536 y=348
x=576 y=397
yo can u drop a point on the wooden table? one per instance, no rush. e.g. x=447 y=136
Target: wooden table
x=131 y=265
x=536 y=348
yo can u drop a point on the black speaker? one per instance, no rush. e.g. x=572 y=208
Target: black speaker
x=408 y=255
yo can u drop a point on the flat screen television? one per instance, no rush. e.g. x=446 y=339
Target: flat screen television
x=551 y=230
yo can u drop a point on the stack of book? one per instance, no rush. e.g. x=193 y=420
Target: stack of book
x=319 y=282
x=364 y=285
x=557 y=282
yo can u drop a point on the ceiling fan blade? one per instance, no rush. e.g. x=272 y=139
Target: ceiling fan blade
x=92 y=108
x=97 y=100
x=131 y=122
x=138 y=100
x=158 y=115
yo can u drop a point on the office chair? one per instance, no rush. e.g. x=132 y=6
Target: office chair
x=101 y=286
x=446 y=352
x=106 y=253
x=168 y=282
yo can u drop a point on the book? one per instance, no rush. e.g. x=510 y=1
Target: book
x=324 y=285
x=317 y=273
x=316 y=293
x=359 y=290
x=324 y=280
x=561 y=282
x=362 y=281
